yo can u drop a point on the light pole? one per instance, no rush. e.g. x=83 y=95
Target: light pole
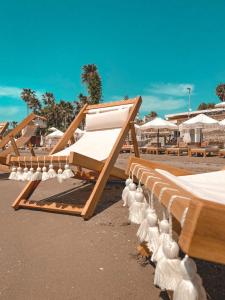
x=189 y=101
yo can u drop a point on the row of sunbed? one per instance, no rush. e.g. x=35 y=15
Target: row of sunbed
x=209 y=150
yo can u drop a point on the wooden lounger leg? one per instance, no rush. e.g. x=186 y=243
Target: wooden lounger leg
x=26 y=193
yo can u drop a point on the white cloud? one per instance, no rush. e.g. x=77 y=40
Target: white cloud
x=9 y=111
x=10 y=91
x=170 y=89
x=14 y=92
x=158 y=104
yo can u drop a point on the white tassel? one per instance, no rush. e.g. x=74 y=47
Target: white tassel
x=142 y=232
x=25 y=174
x=137 y=208
x=60 y=176
x=125 y=191
x=30 y=174
x=163 y=237
x=13 y=175
x=167 y=272
x=131 y=193
x=51 y=172
x=190 y=287
x=19 y=174
x=45 y=175
x=67 y=173
x=37 y=175
x=153 y=232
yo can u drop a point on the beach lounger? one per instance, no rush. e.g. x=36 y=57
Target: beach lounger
x=181 y=149
x=155 y=150
x=207 y=151
x=28 y=129
x=3 y=127
x=107 y=126
x=197 y=207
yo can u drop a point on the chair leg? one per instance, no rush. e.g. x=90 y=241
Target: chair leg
x=26 y=193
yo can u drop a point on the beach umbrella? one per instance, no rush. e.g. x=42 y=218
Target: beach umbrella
x=55 y=134
x=199 y=121
x=52 y=129
x=157 y=124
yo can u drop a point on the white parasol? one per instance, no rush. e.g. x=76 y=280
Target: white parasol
x=159 y=123
x=199 y=121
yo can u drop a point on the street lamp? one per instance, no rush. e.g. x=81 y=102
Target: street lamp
x=189 y=101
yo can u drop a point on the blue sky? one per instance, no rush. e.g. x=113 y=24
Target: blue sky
x=150 y=48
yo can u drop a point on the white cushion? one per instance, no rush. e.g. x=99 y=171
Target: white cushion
x=106 y=120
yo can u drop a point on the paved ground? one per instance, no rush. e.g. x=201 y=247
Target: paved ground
x=52 y=256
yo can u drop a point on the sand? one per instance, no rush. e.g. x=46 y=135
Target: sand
x=53 y=256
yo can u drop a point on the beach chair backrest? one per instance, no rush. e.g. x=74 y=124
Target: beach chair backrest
x=96 y=110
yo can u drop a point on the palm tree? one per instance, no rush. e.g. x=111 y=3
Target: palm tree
x=66 y=113
x=220 y=91
x=50 y=110
x=30 y=98
x=92 y=79
x=203 y=106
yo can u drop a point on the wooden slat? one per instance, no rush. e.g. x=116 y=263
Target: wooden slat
x=157 y=165
x=69 y=132
x=52 y=207
x=111 y=104
x=40 y=159
x=105 y=173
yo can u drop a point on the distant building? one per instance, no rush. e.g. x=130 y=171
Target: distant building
x=217 y=113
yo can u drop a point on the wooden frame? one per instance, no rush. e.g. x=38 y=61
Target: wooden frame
x=23 y=140
x=199 y=223
x=105 y=168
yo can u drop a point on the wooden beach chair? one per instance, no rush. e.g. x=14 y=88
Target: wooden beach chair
x=29 y=129
x=206 y=151
x=3 y=127
x=197 y=207
x=107 y=126
x=180 y=150
x=155 y=149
